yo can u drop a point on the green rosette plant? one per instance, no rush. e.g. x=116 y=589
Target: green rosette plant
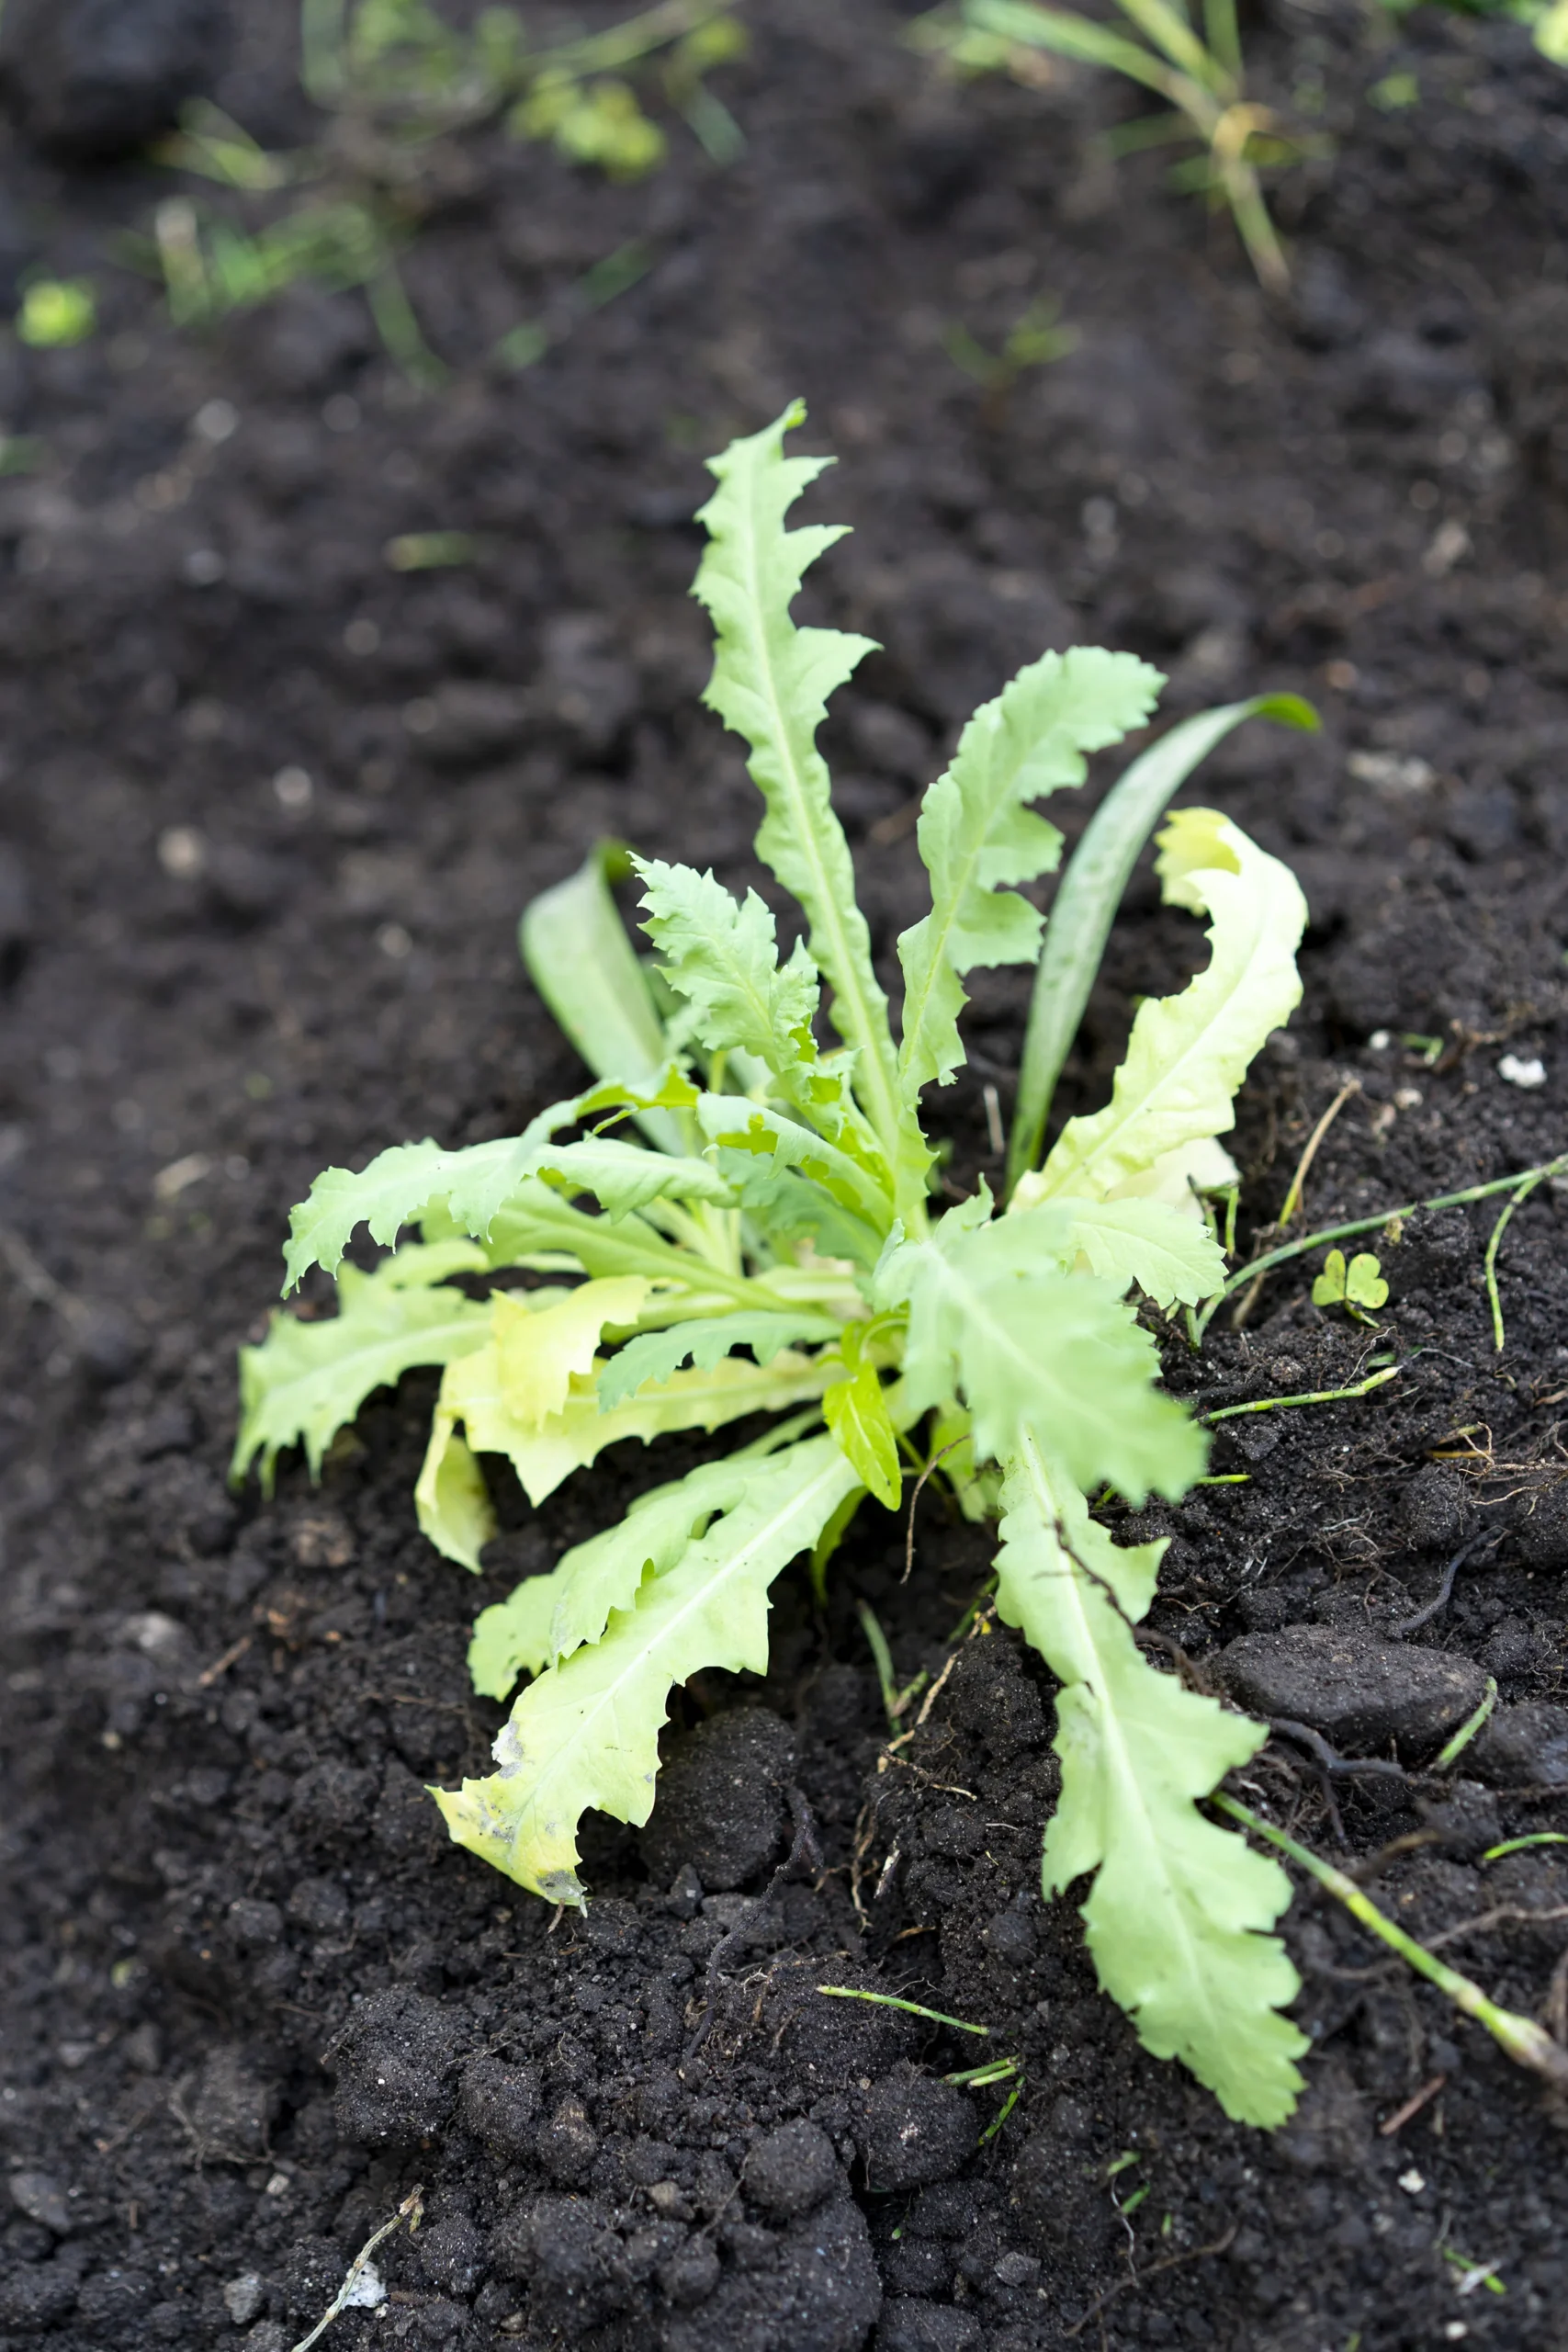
x=738 y=1218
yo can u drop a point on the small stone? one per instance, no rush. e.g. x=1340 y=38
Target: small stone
x=792 y=2169
x=244 y=2297
x=1523 y=1746
x=1359 y=1693
x=914 y=2130
x=720 y=1804
x=41 y=2197
x=1017 y=2270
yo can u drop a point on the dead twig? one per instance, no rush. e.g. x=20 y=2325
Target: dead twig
x=231 y=1656
x=1507 y=1914
x=411 y=2210
x=1412 y=2108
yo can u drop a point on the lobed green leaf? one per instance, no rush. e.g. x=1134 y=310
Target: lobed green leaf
x=543 y=1453
x=653 y=1356
x=994 y=1318
x=474 y=1185
x=977 y=834
x=770 y=683
x=305 y=1381
x=1188 y=1053
x=586 y=1732
x=1175 y=1915
x=722 y=956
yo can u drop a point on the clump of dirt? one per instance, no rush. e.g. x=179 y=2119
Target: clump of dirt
x=269 y=811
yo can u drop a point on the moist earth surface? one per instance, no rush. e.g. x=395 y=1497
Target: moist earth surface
x=269 y=808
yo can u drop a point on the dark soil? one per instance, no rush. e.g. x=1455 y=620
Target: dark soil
x=251 y=1995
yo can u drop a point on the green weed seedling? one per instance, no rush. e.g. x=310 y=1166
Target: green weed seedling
x=1357 y=1287
x=1036 y=339
x=740 y=1218
x=56 y=313
x=1200 y=74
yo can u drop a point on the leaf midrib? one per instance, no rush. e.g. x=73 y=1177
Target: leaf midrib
x=847 y=983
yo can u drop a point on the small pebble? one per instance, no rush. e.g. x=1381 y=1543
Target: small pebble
x=1525 y=1072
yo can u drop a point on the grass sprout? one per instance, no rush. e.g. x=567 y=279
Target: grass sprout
x=1525 y=2041
x=1199 y=74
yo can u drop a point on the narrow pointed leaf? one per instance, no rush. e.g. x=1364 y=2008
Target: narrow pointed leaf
x=583 y=965
x=1090 y=892
x=856 y=1413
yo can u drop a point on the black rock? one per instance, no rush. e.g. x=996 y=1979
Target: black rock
x=1526 y=1746
x=913 y=2129
x=1359 y=1693
x=99 y=77
x=791 y=2170
x=720 y=1806
x=396 y=2068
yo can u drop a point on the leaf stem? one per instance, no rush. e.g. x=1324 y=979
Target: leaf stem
x=411 y=2210
x=1526 y=1189
x=1450 y=1754
x=1273 y=1257
x=1526 y=2043
x=1313 y=1396
x=891 y=2001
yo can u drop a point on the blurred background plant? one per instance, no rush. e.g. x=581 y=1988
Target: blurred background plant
x=1547 y=18
x=395 y=86
x=1036 y=339
x=1199 y=72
